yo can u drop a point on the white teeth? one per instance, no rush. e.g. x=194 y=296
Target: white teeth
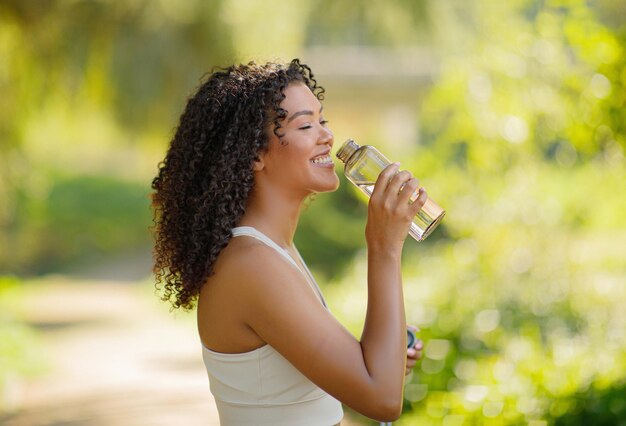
x=326 y=159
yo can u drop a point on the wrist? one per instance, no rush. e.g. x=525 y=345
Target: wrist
x=387 y=251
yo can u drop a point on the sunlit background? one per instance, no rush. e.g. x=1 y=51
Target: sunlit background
x=511 y=113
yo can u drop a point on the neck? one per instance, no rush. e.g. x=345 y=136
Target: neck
x=273 y=213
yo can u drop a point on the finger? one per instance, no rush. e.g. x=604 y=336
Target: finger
x=410 y=364
x=408 y=190
x=420 y=201
x=383 y=179
x=411 y=353
x=397 y=181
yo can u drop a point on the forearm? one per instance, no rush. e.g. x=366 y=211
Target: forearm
x=384 y=335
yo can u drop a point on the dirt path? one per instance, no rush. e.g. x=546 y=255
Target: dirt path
x=114 y=356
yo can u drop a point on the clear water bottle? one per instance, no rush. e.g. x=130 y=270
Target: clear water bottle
x=363 y=164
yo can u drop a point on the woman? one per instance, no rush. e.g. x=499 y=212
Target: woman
x=251 y=146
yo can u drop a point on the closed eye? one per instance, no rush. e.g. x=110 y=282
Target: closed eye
x=308 y=126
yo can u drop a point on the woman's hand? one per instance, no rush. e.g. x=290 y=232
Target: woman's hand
x=390 y=210
x=414 y=353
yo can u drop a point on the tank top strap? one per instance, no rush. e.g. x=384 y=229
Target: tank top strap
x=318 y=290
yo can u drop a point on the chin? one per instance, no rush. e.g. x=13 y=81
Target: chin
x=327 y=187
x=333 y=187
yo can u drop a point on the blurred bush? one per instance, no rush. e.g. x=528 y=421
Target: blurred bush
x=79 y=219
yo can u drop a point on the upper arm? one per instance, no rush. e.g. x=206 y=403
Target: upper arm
x=286 y=314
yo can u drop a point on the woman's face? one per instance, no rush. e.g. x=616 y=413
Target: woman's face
x=300 y=160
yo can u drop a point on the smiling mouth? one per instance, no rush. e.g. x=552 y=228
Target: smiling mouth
x=322 y=159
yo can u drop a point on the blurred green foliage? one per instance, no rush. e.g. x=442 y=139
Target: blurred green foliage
x=521 y=137
x=81 y=219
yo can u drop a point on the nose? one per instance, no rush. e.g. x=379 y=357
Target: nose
x=326 y=137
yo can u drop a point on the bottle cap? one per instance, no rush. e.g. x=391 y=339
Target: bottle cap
x=347 y=149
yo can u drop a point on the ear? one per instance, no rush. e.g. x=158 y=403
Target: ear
x=259 y=164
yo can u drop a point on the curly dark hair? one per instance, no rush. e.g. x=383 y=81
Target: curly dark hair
x=203 y=184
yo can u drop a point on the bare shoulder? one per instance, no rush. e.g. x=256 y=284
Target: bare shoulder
x=248 y=269
x=254 y=279
x=245 y=258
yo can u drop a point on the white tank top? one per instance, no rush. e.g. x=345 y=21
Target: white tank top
x=261 y=387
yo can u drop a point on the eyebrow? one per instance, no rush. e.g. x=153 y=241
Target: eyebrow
x=303 y=112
